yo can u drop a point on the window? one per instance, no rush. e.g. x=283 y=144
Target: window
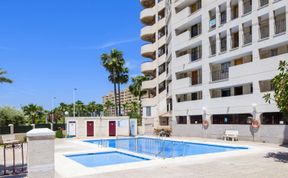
x=196 y=119
x=148 y=110
x=225 y=92
x=266 y=85
x=232 y=119
x=195 y=30
x=196 y=53
x=273 y=118
x=238 y=90
x=181 y=119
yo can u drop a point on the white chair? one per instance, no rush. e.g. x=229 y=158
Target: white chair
x=233 y=134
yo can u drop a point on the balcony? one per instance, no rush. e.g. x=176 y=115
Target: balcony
x=147 y=16
x=264 y=32
x=247 y=6
x=149 y=84
x=247 y=39
x=219 y=75
x=280 y=26
x=148 y=33
x=263 y=3
x=212 y=23
x=182 y=83
x=148 y=51
x=148 y=66
x=147 y=3
x=213 y=49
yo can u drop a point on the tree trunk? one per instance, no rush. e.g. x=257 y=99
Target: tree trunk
x=140 y=110
x=115 y=99
x=119 y=98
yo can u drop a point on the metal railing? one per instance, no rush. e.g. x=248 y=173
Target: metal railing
x=263 y=2
x=247 y=38
x=280 y=26
x=264 y=32
x=219 y=75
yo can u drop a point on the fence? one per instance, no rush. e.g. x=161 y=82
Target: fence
x=26 y=128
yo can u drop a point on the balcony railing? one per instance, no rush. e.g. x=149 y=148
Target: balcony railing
x=264 y=32
x=219 y=75
x=212 y=49
x=247 y=39
x=247 y=8
x=280 y=26
x=263 y=2
x=212 y=23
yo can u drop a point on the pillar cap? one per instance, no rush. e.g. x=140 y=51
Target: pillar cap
x=40 y=132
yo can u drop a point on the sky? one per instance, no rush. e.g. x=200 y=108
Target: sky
x=50 y=47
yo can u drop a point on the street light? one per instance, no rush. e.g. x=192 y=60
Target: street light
x=53 y=105
x=74 y=93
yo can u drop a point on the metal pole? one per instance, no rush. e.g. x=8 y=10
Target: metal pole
x=4 y=159
x=53 y=105
x=13 y=146
x=22 y=157
x=74 y=93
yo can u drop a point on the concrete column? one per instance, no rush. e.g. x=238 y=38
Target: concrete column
x=33 y=126
x=217 y=16
x=51 y=126
x=228 y=13
x=11 y=128
x=40 y=153
x=241 y=35
x=228 y=39
x=240 y=8
x=271 y=24
x=255 y=31
x=218 y=46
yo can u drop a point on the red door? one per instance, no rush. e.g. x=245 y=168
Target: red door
x=112 y=128
x=90 y=128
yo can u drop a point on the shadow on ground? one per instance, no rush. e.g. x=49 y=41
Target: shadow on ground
x=278 y=157
x=9 y=171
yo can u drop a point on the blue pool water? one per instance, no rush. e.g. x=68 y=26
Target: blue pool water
x=163 y=148
x=104 y=158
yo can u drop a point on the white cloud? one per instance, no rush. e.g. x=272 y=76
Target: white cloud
x=114 y=43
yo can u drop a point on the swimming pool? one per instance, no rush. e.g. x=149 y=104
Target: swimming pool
x=162 y=147
x=104 y=158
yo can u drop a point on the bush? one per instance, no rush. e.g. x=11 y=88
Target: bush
x=59 y=133
x=10 y=115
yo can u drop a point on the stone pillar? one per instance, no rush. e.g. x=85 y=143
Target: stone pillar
x=11 y=128
x=240 y=8
x=40 y=153
x=51 y=126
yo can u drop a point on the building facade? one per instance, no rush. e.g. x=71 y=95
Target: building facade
x=215 y=63
x=126 y=97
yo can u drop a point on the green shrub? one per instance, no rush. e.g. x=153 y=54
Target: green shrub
x=59 y=134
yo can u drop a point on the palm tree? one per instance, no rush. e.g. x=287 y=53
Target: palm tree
x=99 y=109
x=92 y=108
x=125 y=108
x=34 y=112
x=80 y=108
x=122 y=78
x=4 y=79
x=114 y=64
x=136 y=89
x=108 y=107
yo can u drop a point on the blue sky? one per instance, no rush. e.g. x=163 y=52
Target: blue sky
x=50 y=47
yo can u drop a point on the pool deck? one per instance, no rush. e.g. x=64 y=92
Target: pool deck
x=261 y=160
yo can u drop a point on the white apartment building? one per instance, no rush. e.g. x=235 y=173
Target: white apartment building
x=214 y=61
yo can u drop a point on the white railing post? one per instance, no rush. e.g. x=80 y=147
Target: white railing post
x=11 y=128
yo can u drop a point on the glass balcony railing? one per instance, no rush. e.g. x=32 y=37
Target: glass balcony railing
x=212 y=23
x=280 y=26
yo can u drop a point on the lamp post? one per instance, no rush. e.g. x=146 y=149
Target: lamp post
x=53 y=105
x=74 y=93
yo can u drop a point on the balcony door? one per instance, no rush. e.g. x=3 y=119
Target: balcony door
x=195 y=77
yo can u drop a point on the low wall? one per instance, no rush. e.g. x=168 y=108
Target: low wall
x=266 y=133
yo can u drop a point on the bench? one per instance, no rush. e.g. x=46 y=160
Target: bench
x=233 y=134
